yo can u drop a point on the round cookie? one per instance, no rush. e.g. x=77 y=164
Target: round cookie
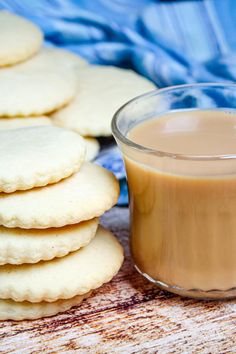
x=91 y=144
x=18 y=311
x=101 y=91
x=37 y=156
x=19 y=38
x=92 y=148
x=35 y=87
x=18 y=246
x=23 y=122
x=51 y=56
x=83 y=196
x=63 y=278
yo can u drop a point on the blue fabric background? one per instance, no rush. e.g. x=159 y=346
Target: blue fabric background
x=170 y=42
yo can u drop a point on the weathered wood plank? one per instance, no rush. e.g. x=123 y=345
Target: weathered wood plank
x=129 y=315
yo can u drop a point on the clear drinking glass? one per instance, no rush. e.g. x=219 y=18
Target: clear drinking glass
x=183 y=210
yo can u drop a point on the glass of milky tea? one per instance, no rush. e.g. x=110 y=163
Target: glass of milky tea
x=179 y=149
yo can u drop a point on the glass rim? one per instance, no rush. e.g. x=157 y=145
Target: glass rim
x=121 y=137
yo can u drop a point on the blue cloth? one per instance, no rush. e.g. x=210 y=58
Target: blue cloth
x=111 y=159
x=169 y=42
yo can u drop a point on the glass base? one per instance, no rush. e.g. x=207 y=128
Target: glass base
x=192 y=293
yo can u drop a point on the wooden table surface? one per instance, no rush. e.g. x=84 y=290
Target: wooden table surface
x=128 y=315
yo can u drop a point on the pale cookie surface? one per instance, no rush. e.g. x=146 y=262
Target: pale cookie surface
x=83 y=196
x=23 y=122
x=92 y=148
x=101 y=91
x=19 y=38
x=37 y=156
x=18 y=311
x=53 y=56
x=33 y=89
x=63 y=278
x=18 y=246
x=91 y=144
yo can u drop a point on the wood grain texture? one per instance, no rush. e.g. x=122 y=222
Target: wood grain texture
x=128 y=315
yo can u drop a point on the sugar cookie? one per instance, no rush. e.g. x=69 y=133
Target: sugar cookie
x=101 y=91
x=83 y=196
x=91 y=144
x=92 y=148
x=18 y=246
x=18 y=311
x=31 y=88
x=37 y=156
x=51 y=56
x=23 y=122
x=63 y=278
x=19 y=38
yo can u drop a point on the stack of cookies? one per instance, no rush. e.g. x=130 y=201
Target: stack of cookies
x=52 y=251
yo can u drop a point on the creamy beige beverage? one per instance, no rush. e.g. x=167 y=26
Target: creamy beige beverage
x=184 y=209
